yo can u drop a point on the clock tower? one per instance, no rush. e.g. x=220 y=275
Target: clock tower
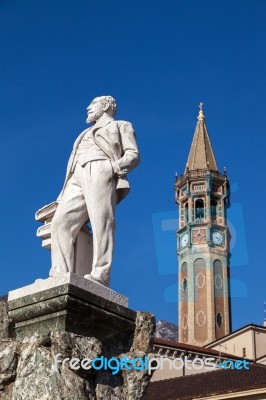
x=203 y=244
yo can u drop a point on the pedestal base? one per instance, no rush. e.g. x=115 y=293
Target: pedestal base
x=70 y=303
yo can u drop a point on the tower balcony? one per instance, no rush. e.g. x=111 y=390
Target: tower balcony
x=196 y=174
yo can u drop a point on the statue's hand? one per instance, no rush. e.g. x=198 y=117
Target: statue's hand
x=118 y=171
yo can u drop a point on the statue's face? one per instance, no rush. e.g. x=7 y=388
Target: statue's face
x=95 y=110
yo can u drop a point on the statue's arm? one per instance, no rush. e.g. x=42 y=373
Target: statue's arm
x=130 y=153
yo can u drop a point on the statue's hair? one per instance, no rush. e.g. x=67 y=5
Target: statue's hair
x=111 y=103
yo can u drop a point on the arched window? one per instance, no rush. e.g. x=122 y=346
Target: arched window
x=199 y=206
x=219 y=320
x=184 y=284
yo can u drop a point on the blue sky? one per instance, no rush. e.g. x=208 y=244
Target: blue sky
x=159 y=59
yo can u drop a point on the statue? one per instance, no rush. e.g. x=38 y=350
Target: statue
x=95 y=182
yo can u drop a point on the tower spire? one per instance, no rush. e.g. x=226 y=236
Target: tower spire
x=201 y=155
x=201 y=115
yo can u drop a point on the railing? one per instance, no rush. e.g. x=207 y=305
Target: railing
x=199 y=173
x=199 y=220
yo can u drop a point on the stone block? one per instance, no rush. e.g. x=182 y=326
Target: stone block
x=4 y=320
x=28 y=371
x=70 y=316
x=70 y=304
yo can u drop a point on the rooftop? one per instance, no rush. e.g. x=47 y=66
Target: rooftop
x=201 y=155
x=209 y=383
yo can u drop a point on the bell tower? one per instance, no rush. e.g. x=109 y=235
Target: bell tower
x=203 y=244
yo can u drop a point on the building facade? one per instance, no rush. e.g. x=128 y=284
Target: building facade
x=248 y=341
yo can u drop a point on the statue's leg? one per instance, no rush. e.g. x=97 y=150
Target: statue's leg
x=70 y=216
x=99 y=187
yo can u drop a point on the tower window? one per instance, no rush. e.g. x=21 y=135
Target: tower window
x=184 y=284
x=186 y=213
x=244 y=352
x=219 y=320
x=214 y=209
x=199 y=210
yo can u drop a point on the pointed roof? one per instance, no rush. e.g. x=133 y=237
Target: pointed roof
x=201 y=154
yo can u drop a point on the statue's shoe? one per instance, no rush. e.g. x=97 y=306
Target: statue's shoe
x=97 y=280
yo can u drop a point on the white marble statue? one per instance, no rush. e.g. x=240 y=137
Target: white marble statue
x=95 y=182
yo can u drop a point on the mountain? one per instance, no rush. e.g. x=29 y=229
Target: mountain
x=166 y=330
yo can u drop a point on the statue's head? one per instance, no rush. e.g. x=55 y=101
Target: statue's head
x=99 y=106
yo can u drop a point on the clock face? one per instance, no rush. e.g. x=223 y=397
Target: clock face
x=217 y=237
x=184 y=240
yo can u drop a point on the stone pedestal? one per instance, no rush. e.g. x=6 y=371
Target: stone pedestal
x=75 y=319
x=70 y=303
